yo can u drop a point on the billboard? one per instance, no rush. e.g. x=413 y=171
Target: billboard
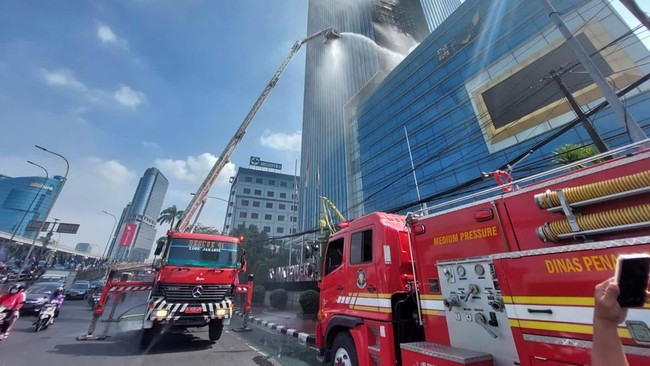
x=256 y=161
x=66 y=228
x=127 y=235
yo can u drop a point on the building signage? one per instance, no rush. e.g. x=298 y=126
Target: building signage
x=37 y=226
x=255 y=161
x=40 y=185
x=66 y=228
x=127 y=235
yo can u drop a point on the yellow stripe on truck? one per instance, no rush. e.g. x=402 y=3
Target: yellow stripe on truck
x=563 y=327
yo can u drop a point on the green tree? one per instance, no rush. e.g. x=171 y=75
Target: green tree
x=569 y=153
x=170 y=214
x=201 y=229
x=256 y=243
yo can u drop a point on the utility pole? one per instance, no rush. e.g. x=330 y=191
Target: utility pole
x=635 y=9
x=633 y=129
x=598 y=142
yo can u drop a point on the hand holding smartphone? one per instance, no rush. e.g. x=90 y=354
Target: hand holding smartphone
x=632 y=272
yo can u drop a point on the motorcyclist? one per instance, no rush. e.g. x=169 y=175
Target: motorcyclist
x=13 y=300
x=57 y=296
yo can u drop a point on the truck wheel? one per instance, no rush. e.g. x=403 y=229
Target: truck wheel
x=343 y=351
x=215 y=329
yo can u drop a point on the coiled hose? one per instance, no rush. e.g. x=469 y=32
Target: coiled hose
x=551 y=231
x=550 y=199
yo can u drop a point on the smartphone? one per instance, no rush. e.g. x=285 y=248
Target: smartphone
x=632 y=272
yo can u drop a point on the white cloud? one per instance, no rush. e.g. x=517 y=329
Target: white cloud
x=194 y=168
x=128 y=97
x=62 y=77
x=112 y=171
x=281 y=141
x=105 y=34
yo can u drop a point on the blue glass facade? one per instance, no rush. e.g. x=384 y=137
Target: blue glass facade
x=471 y=98
x=436 y=11
x=334 y=73
x=24 y=199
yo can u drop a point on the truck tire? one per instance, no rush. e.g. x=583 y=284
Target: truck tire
x=343 y=350
x=215 y=329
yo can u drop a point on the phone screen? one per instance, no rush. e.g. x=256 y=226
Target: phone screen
x=633 y=281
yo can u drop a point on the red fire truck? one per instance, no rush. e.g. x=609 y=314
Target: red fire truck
x=501 y=277
x=195 y=284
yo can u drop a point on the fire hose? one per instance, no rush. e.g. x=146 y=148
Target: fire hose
x=553 y=231
x=608 y=187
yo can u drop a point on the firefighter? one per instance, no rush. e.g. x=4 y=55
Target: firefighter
x=607 y=348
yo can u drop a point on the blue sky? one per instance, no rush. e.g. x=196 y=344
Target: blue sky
x=120 y=86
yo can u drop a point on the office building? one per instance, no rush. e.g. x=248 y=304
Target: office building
x=477 y=94
x=137 y=226
x=436 y=11
x=25 y=199
x=265 y=199
x=375 y=37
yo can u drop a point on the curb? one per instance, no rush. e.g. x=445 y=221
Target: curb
x=306 y=338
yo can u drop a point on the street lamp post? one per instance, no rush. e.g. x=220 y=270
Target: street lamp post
x=63 y=181
x=31 y=247
x=196 y=219
x=111 y=235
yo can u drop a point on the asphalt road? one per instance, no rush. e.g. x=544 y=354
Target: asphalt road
x=57 y=346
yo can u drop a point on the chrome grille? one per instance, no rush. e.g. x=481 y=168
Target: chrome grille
x=184 y=293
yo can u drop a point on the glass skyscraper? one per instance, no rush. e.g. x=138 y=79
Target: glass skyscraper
x=375 y=36
x=436 y=11
x=475 y=96
x=25 y=199
x=141 y=215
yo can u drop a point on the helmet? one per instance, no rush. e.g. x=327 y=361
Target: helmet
x=17 y=287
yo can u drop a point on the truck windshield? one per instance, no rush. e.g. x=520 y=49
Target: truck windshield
x=202 y=253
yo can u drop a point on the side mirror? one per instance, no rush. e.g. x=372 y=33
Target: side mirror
x=160 y=244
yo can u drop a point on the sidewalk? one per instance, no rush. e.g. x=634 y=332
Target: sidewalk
x=284 y=322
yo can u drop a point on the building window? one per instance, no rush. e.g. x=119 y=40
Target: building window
x=270 y=194
x=269 y=205
x=267 y=217
x=271 y=182
x=361 y=247
x=242 y=215
x=248 y=179
x=244 y=202
x=293 y=231
x=255 y=215
x=256 y=203
x=247 y=191
x=258 y=180
x=267 y=229
x=282 y=206
x=258 y=192
x=279 y=230
x=334 y=256
x=294 y=219
x=283 y=195
x=294 y=208
x=283 y=184
x=280 y=217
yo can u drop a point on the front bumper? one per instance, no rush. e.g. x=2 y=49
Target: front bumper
x=163 y=312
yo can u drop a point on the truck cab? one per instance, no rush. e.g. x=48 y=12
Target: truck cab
x=365 y=290
x=194 y=285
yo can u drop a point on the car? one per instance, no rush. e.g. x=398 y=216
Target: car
x=94 y=284
x=78 y=290
x=37 y=295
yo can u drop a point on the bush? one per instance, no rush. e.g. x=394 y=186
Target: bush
x=278 y=298
x=309 y=301
x=258 y=294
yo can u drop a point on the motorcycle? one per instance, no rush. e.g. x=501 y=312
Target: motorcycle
x=93 y=299
x=4 y=313
x=46 y=315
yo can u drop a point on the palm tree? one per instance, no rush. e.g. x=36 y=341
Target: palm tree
x=170 y=214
